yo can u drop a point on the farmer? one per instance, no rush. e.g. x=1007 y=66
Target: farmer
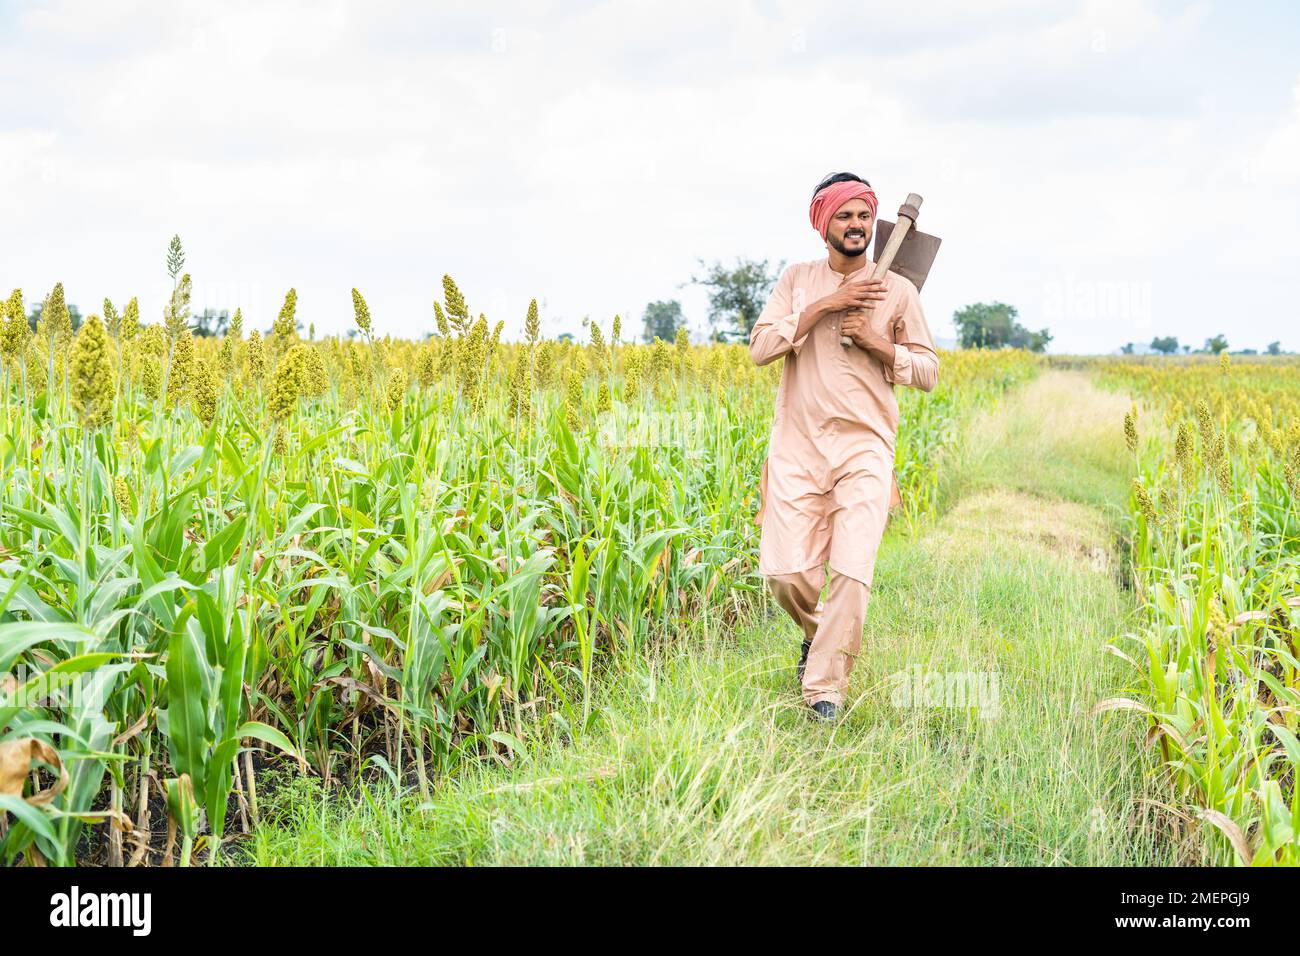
x=828 y=481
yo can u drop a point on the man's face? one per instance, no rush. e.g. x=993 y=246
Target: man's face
x=850 y=228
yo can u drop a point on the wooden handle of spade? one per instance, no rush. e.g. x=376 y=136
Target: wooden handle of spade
x=907 y=214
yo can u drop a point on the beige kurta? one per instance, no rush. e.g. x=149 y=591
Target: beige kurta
x=831 y=451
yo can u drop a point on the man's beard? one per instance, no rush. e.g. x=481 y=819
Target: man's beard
x=838 y=246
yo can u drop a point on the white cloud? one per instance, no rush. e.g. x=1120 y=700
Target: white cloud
x=1278 y=163
x=587 y=155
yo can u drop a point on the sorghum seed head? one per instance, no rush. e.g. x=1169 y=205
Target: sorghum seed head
x=1167 y=504
x=361 y=312
x=521 y=402
x=55 y=322
x=426 y=363
x=131 y=320
x=256 y=356
x=181 y=373
x=315 y=377
x=1130 y=432
x=288 y=383
x=203 y=392
x=545 y=364
x=396 y=389
x=286 y=325
x=112 y=320
x=1223 y=474
x=456 y=307
x=1145 y=505
x=177 y=315
x=13 y=325
x=150 y=379
x=91 y=372
x=1204 y=422
x=532 y=324
x=1183 y=449
x=122 y=493
x=573 y=398
x=226 y=356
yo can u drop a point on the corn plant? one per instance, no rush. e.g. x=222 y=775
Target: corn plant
x=350 y=555
x=1215 y=542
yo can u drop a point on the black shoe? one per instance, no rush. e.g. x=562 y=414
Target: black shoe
x=825 y=710
x=803 y=659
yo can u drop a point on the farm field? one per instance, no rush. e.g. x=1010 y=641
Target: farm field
x=1216 y=564
x=272 y=599
x=348 y=557
x=703 y=755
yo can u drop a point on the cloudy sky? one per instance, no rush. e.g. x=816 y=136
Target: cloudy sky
x=1114 y=170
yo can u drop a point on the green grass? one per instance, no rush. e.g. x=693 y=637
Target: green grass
x=1060 y=438
x=703 y=753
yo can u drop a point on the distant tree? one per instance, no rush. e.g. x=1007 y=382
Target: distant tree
x=1167 y=345
x=662 y=319
x=737 y=294
x=1216 y=344
x=993 y=325
x=210 y=322
x=564 y=337
x=1274 y=348
x=1022 y=338
x=1186 y=349
x=1247 y=352
x=985 y=325
x=1127 y=348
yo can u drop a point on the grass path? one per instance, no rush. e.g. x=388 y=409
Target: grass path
x=705 y=754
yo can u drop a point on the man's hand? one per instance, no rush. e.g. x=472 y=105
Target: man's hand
x=857 y=326
x=853 y=296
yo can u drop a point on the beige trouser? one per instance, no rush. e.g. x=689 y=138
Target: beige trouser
x=834 y=630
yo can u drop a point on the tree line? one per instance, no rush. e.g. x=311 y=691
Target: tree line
x=1168 y=345
x=738 y=292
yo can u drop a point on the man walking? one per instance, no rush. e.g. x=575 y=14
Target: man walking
x=831 y=452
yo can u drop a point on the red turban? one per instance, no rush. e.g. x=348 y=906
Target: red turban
x=828 y=201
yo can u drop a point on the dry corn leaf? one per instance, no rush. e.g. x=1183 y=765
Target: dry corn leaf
x=131 y=731
x=1112 y=649
x=1117 y=703
x=16 y=757
x=352 y=684
x=437 y=583
x=1228 y=827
